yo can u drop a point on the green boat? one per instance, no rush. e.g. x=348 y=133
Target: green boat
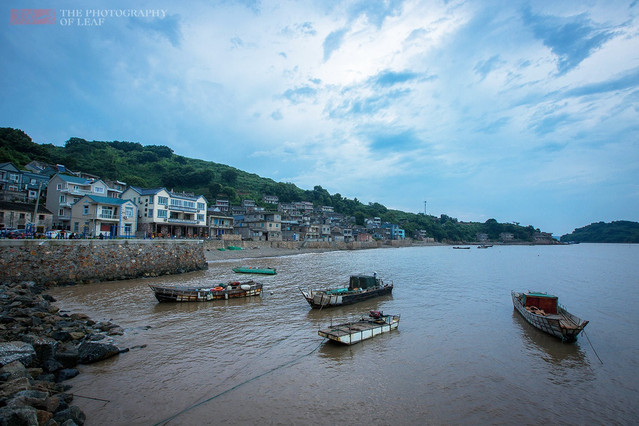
x=254 y=270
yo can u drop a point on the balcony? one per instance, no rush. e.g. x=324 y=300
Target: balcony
x=183 y=209
x=187 y=221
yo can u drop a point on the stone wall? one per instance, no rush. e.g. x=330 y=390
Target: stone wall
x=62 y=262
x=329 y=245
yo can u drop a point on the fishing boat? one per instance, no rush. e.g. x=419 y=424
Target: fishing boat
x=484 y=246
x=461 y=248
x=231 y=290
x=542 y=311
x=367 y=327
x=254 y=270
x=360 y=287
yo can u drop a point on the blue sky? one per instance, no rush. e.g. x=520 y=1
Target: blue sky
x=522 y=111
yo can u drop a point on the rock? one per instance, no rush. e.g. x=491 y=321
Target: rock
x=72 y=413
x=90 y=352
x=18 y=416
x=16 y=351
x=45 y=348
x=76 y=335
x=68 y=358
x=11 y=387
x=66 y=374
x=15 y=370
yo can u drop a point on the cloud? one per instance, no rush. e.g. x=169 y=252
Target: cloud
x=571 y=39
x=389 y=78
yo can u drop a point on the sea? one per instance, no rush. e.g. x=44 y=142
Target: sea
x=461 y=355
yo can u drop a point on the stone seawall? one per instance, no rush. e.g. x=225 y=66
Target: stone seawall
x=318 y=245
x=62 y=262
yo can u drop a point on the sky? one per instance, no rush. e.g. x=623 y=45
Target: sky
x=521 y=111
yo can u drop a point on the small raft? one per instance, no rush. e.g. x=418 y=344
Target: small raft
x=366 y=328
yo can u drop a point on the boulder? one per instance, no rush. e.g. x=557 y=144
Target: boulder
x=90 y=352
x=17 y=351
x=72 y=413
x=18 y=416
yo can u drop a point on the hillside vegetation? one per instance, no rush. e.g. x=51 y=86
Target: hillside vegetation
x=152 y=166
x=621 y=231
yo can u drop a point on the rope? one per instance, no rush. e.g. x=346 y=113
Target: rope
x=593 y=348
x=168 y=419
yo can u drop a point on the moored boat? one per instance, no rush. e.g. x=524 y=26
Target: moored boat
x=254 y=270
x=542 y=311
x=360 y=287
x=231 y=290
x=461 y=248
x=365 y=328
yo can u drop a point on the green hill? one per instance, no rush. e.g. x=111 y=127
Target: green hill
x=621 y=231
x=153 y=166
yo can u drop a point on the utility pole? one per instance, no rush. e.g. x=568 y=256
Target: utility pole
x=425 y=208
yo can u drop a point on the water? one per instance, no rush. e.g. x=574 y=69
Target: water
x=461 y=355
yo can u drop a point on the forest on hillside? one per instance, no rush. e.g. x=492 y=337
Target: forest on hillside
x=153 y=166
x=621 y=231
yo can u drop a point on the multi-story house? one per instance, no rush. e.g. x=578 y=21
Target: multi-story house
x=24 y=216
x=325 y=232
x=222 y=204
x=270 y=199
x=310 y=232
x=347 y=234
x=20 y=185
x=249 y=205
x=261 y=226
x=97 y=216
x=290 y=230
x=219 y=223
x=64 y=190
x=168 y=214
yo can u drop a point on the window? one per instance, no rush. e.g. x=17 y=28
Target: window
x=98 y=190
x=41 y=217
x=200 y=217
x=150 y=200
x=128 y=211
x=85 y=209
x=61 y=212
x=176 y=203
x=76 y=226
x=150 y=212
x=162 y=213
x=163 y=201
x=59 y=186
x=127 y=228
x=63 y=198
x=200 y=206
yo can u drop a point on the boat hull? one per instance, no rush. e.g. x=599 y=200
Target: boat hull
x=319 y=299
x=262 y=271
x=194 y=294
x=354 y=332
x=562 y=325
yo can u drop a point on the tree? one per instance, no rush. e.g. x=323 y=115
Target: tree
x=229 y=176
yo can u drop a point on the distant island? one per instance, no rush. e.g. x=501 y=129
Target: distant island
x=621 y=231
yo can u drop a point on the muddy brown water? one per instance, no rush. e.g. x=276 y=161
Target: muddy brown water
x=461 y=355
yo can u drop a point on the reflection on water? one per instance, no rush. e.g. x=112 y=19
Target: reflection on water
x=551 y=349
x=461 y=355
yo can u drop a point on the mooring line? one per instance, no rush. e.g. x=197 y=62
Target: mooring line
x=168 y=419
x=593 y=348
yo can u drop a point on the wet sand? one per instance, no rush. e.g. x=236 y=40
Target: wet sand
x=258 y=252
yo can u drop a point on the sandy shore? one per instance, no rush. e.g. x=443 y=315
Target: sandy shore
x=258 y=252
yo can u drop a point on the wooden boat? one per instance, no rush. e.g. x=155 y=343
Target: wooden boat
x=360 y=287
x=483 y=246
x=231 y=290
x=254 y=270
x=542 y=311
x=367 y=327
x=461 y=248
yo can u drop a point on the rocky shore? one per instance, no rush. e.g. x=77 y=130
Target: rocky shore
x=39 y=349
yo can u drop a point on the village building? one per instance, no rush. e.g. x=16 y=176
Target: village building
x=63 y=191
x=15 y=215
x=104 y=217
x=164 y=213
x=219 y=223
